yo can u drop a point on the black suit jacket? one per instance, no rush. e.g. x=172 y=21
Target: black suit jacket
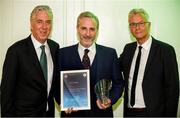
x=161 y=80
x=104 y=66
x=23 y=87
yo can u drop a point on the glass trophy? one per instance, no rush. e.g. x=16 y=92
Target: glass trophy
x=102 y=89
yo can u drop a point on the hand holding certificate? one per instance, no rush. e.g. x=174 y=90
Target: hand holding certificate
x=75 y=90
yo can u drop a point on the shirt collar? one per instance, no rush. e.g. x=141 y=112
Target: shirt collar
x=91 y=48
x=36 y=43
x=146 y=45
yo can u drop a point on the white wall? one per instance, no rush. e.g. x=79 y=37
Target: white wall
x=164 y=14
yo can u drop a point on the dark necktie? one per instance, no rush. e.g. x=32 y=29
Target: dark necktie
x=86 y=60
x=43 y=61
x=133 y=88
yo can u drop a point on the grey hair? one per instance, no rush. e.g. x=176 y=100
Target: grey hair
x=41 y=8
x=88 y=15
x=139 y=11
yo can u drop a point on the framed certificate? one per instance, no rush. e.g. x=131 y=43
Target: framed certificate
x=75 y=90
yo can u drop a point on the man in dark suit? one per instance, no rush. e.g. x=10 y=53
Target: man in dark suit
x=102 y=65
x=152 y=86
x=26 y=89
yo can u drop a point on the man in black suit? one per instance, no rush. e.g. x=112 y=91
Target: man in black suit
x=155 y=79
x=102 y=65
x=26 y=89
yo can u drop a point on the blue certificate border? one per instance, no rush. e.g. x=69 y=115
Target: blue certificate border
x=75 y=95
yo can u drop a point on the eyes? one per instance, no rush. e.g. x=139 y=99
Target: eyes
x=85 y=28
x=140 y=24
x=48 y=22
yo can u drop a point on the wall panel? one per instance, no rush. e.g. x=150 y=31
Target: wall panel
x=113 y=32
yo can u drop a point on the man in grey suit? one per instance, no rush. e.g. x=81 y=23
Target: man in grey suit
x=29 y=71
x=102 y=65
x=150 y=72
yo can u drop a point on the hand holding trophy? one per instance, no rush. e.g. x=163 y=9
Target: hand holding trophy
x=102 y=89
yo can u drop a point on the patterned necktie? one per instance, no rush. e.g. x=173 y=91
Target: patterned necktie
x=86 y=60
x=43 y=61
x=133 y=88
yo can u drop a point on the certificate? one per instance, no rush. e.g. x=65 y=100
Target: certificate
x=75 y=90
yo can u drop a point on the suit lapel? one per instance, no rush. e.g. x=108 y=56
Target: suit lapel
x=97 y=68
x=150 y=57
x=75 y=58
x=95 y=65
x=34 y=58
x=130 y=58
x=52 y=50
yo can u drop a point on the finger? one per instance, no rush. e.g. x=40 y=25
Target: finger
x=98 y=102
x=68 y=111
x=106 y=105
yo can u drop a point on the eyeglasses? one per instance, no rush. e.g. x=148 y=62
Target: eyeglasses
x=140 y=24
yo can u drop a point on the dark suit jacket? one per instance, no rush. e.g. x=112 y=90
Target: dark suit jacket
x=104 y=66
x=161 y=81
x=23 y=87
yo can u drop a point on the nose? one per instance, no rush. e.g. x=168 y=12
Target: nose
x=44 y=25
x=137 y=26
x=88 y=32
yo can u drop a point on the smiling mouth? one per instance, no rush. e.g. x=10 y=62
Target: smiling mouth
x=44 y=33
x=87 y=39
x=138 y=32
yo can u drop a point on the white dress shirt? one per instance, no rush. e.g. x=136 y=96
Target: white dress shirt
x=91 y=53
x=139 y=98
x=50 y=66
